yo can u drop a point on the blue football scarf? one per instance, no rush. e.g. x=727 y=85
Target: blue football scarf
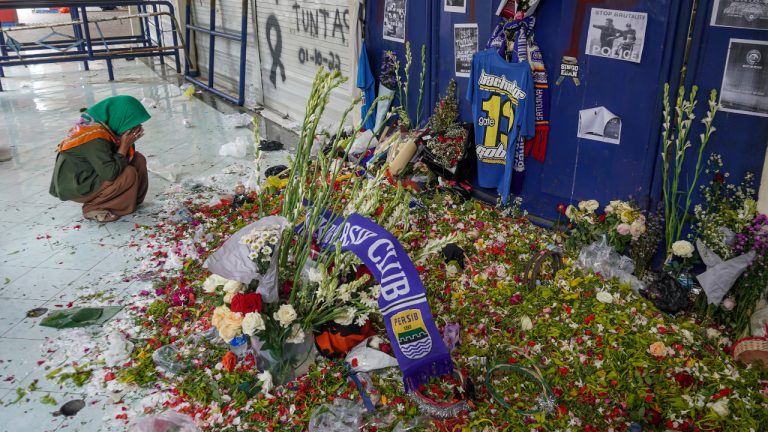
x=416 y=341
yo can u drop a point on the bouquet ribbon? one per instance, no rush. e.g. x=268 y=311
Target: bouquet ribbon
x=420 y=351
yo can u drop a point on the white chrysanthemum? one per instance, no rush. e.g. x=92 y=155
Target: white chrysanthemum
x=604 y=297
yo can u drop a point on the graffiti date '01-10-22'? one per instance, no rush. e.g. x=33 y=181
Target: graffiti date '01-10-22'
x=332 y=61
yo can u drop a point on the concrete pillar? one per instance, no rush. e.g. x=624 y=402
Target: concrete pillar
x=762 y=202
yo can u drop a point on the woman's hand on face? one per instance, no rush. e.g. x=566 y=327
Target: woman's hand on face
x=129 y=138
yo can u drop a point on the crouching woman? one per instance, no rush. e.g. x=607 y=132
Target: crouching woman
x=97 y=164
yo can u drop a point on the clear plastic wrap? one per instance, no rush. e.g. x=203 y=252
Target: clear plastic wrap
x=341 y=416
x=603 y=259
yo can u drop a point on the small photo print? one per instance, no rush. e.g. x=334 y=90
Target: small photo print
x=599 y=124
x=748 y=14
x=394 y=20
x=465 y=39
x=617 y=34
x=745 y=81
x=456 y=6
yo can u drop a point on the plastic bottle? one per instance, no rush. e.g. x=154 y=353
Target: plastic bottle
x=239 y=346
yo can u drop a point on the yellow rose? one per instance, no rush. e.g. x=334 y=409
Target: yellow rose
x=218 y=315
x=228 y=323
x=231 y=326
x=657 y=349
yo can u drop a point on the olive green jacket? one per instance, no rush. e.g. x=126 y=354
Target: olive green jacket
x=81 y=170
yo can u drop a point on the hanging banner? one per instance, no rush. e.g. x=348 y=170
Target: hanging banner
x=416 y=341
x=617 y=34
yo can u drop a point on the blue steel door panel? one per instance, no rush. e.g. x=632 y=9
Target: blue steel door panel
x=741 y=139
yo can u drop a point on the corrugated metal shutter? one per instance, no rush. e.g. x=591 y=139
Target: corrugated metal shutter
x=306 y=34
x=301 y=36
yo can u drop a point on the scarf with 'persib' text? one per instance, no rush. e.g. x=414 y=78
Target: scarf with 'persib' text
x=416 y=341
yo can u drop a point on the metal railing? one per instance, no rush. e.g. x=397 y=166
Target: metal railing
x=60 y=48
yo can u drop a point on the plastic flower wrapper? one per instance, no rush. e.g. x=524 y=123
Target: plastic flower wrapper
x=387 y=86
x=233 y=259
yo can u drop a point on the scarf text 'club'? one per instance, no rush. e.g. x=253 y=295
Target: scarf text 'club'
x=418 y=346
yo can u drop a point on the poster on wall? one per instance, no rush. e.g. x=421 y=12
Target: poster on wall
x=394 y=20
x=617 y=34
x=749 y=14
x=599 y=124
x=457 y=6
x=745 y=81
x=465 y=46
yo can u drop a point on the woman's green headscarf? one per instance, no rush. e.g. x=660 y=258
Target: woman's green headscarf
x=119 y=113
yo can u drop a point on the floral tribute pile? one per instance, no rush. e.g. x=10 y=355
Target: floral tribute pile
x=609 y=359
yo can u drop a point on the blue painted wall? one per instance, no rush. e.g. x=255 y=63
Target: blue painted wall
x=577 y=169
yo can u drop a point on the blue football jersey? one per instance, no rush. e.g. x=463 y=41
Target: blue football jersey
x=503 y=103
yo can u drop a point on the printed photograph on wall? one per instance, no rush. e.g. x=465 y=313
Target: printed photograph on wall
x=751 y=14
x=745 y=81
x=394 y=20
x=465 y=46
x=617 y=34
x=458 y=6
x=599 y=124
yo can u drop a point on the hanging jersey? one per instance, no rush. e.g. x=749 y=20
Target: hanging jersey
x=502 y=98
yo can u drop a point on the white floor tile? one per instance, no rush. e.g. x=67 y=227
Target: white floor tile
x=14 y=311
x=85 y=256
x=28 y=414
x=40 y=284
x=17 y=360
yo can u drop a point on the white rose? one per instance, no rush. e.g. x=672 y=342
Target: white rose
x=526 y=323
x=720 y=407
x=297 y=335
x=589 y=206
x=570 y=212
x=228 y=297
x=604 y=297
x=608 y=209
x=213 y=282
x=682 y=248
x=252 y=323
x=286 y=315
x=233 y=287
x=346 y=317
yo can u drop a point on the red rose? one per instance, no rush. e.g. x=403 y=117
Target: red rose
x=246 y=303
x=653 y=417
x=684 y=379
x=719 y=178
x=561 y=208
x=601 y=218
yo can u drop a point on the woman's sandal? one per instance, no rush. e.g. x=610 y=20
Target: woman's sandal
x=101 y=216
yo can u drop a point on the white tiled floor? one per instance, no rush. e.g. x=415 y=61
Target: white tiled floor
x=49 y=256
